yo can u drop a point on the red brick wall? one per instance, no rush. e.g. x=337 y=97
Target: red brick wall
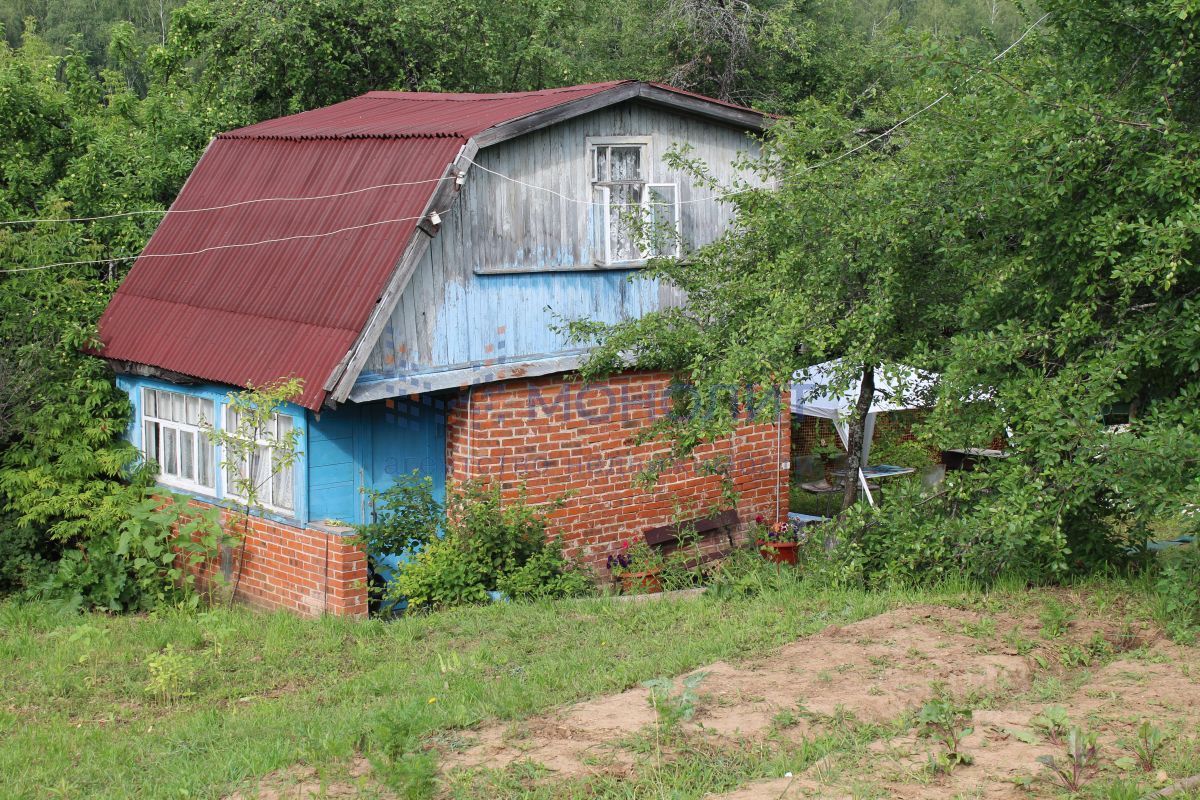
x=308 y=571
x=558 y=436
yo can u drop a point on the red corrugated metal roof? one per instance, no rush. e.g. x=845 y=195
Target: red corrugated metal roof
x=393 y=114
x=199 y=302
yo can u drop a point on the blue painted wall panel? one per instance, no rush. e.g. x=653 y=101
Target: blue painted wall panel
x=368 y=446
x=511 y=264
x=332 y=487
x=407 y=435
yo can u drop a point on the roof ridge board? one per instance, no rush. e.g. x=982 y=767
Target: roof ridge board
x=298 y=137
x=475 y=97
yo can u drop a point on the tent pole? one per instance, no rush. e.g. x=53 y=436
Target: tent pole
x=866 y=489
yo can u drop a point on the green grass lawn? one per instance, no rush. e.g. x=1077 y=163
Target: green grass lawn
x=246 y=694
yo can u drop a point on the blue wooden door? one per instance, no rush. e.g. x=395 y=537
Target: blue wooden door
x=407 y=435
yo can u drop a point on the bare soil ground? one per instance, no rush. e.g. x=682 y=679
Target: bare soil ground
x=869 y=676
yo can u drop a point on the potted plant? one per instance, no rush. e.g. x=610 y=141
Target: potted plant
x=638 y=567
x=777 y=543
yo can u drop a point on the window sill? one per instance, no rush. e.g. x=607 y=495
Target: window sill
x=196 y=490
x=233 y=505
x=593 y=267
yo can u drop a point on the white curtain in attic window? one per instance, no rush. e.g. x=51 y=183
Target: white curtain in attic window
x=625 y=200
x=621 y=167
x=625 y=163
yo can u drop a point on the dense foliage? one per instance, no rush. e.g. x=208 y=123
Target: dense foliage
x=1032 y=238
x=440 y=556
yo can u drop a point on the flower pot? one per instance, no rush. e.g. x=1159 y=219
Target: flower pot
x=644 y=582
x=779 y=552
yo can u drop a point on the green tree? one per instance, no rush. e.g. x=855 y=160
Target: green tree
x=257 y=448
x=1085 y=241
x=1032 y=237
x=73 y=144
x=841 y=261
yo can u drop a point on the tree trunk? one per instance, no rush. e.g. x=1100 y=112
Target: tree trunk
x=858 y=425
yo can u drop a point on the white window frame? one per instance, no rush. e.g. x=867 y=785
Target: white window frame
x=646 y=144
x=199 y=440
x=269 y=444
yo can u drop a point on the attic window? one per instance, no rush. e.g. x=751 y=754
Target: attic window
x=635 y=218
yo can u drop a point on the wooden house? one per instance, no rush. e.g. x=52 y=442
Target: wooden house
x=410 y=257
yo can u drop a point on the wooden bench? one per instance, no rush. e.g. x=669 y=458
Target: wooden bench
x=707 y=531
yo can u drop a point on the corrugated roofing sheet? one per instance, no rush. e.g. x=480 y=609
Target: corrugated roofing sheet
x=257 y=292
x=392 y=114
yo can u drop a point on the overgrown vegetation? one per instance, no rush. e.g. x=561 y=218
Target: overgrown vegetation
x=1031 y=237
x=430 y=556
x=105 y=108
x=138 y=692
x=1027 y=237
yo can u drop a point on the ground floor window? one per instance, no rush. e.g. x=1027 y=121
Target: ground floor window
x=173 y=437
x=274 y=482
x=176 y=435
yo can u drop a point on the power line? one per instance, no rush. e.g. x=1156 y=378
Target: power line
x=173 y=211
x=546 y=189
x=222 y=246
x=808 y=168
x=943 y=96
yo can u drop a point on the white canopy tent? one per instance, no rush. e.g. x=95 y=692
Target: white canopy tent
x=897 y=388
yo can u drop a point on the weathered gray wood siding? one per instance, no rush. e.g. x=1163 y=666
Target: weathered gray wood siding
x=458 y=313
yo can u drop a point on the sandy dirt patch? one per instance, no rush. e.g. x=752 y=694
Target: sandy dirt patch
x=302 y=782
x=1161 y=684
x=869 y=671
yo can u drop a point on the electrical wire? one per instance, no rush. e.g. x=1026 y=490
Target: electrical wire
x=223 y=246
x=545 y=189
x=174 y=211
x=808 y=168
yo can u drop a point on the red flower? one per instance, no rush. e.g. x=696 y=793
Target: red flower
x=759 y=519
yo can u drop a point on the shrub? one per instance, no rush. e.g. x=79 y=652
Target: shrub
x=440 y=575
x=142 y=563
x=405 y=518
x=1177 y=590
x=26 y=555
x=916 y=535
x=546 y=575
x=488 y=544
x=497 y=537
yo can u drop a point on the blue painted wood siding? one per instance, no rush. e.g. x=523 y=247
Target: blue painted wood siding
x=341 y=451
x=369 y=445
x=451 y=317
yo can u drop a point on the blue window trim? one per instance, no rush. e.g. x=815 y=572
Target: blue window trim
x=133 y=386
